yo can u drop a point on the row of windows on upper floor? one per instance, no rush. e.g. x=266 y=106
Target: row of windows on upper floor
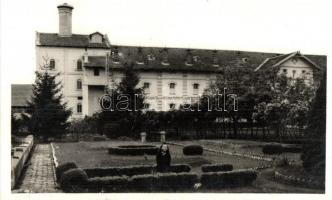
x=146 y=87
x=79 y=64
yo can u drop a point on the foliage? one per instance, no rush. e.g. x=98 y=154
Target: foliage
x=314 y=148
x=272 y=149
x=216 y=167
x=62 y=168
x=47 y=115
x=74 y=180
x=193 y=150
x=228 y=179
x=133 y=150
x=127 y=111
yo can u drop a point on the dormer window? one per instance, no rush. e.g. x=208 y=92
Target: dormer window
x=96 y=37
x=79 y=65
x=165 y=57
x=52 y=64
x=189 y=58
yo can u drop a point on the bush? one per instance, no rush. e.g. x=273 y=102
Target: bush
x=217 y=167
x=74 y=180
x=228 y=179
x=108 y=184
x=119 y=171
x=281 y=161
x=178 y=168
x=292 y=148
x=163 y=182
x=60 y=169
x=134 y=150
x=272 y=149
x=193 y=150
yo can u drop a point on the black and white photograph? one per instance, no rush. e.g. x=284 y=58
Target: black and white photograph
x=112 y=97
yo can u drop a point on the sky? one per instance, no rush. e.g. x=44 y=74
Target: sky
x=281 y=26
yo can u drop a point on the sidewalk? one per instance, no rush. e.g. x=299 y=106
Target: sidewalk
x=39 y=175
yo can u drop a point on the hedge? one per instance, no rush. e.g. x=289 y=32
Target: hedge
x=134 y=150
x=163 y=182
x=193 y=150
x=132 y=170
x=119 y=171
x=217 y=167
x=228 y=179
x=292 y=148
x=74 y=180
x=60 y=169
x=272 y=149
x=108 y=184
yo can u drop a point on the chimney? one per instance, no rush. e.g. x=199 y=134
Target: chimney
x=65 y=12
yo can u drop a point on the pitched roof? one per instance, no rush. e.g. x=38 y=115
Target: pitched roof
x=20 y=94
x=75 y=40
x=280 y=59
x=202 y=60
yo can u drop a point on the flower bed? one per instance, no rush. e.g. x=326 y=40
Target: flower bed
x=133 y=150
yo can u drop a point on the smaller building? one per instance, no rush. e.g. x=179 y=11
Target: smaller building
x=293 y=65
x=20 y=94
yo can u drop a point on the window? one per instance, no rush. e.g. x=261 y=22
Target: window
x=146 y=87
x=52 y=64
x=304 y=71
x=172 y=88
x=195 y=86
x=79 y=65
x=284 y=71
x=80 y=98
x=146 y=106
x=79 y=84
x=79 y=108
x=96 y=72
x=172 y=106
x=294 y=72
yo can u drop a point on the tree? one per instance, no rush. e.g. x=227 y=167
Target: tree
x=314 y=148
x=47 y=115
x=127 y=102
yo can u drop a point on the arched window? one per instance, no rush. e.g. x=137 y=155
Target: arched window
x=52 y=64
x=79 y=108
x=79 y=84
x=79 y=65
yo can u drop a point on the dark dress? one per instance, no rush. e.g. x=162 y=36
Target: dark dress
x=163 y=161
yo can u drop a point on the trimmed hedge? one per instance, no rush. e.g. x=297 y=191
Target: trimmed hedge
x=60 y=169
x=228 y=179
x=74 y=180
x=163 y=182
x=272 y=149
x=179 y=168
x=292 y=148
x=119 y=171
x=108 y=184
x=193 y=150
x=132 y=170
x=134 y=150
x=217 y=167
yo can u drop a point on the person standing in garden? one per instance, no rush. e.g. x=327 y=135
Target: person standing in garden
x=163 y=159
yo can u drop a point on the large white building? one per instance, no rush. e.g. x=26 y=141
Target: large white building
x=87 y=63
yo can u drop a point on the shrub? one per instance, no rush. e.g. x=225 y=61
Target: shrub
x=134 y=150
x=281 y=161
x=60 y=169
x=163 y=182
x=217 y=167
x=99 y=138
x=193 y=150
x=292 y=148
x=74 y=180
x=228 y=179
x=108 y=184
x=178 y=168
x=119 y=171
x=272 y=149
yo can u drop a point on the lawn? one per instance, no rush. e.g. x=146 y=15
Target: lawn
x=95 y=154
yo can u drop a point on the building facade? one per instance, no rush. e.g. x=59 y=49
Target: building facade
x=170 y=76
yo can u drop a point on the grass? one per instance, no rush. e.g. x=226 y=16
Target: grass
x=95 y=154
